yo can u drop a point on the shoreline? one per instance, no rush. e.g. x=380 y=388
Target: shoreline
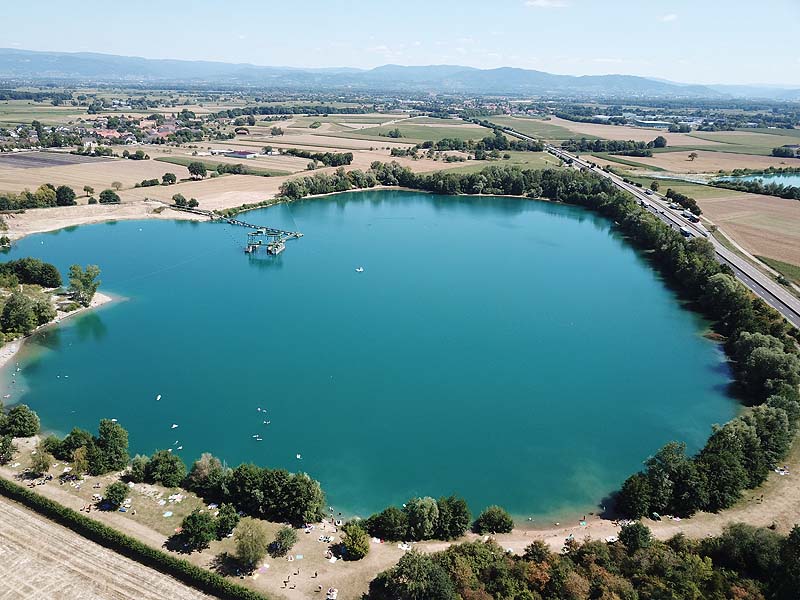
x=10 y=350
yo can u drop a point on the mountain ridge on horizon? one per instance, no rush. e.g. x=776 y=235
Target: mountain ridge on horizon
x=92 y=66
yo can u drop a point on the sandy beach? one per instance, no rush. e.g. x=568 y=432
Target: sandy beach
x=9 y=350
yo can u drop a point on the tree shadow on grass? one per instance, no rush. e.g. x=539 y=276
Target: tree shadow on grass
x=227 y=565
x=177 y=543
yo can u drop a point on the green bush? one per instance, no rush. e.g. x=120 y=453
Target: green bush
x=493 y=520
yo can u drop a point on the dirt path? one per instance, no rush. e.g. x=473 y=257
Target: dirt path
x=43 y=560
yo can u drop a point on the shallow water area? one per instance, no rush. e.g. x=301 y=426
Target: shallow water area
x=511 y=351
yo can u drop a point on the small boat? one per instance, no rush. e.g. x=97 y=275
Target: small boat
x=113 y=420
x=7 y=396
x=267 y=422
x=299 y=457
x=174 y=426
x=255 y=436
x=360 y=270
x=180 y=447
x=158 y=397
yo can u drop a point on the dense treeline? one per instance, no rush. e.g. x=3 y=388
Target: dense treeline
x=46 y=196
x=758 y=186
x=97 y=455
x=622 y=147
x=30 y=271
x=329 y=159
x=498 y=142
x=784 y=152
x=421 y=519
x=744 y=563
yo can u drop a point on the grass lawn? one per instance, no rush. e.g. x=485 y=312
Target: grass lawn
x=624 y=161
x=791 y=272
x=538 y=128
x=693 y=190
x=524 y=160
x=211 y=165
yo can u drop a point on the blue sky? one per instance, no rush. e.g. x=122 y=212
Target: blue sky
x=696 y=41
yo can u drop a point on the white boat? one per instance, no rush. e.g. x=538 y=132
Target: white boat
x=174 y=426
x=158 y=397
x=360 y=270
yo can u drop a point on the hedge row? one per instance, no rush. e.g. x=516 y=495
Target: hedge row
x=197 y=577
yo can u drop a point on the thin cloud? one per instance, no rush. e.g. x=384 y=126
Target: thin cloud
x=669 y=18
x=547 y=3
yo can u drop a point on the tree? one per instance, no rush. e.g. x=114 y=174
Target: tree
x=43 y=311
x=693 y=156
x=193 y=203
x=206 y=476
x=355 y=541
x=112 y=442
x=423 y=514
x=88 y=189
x=18 y=315
x=633 y=498
x=283 y=542
x=116 y=185
x=138 y=468
x=65 y=196
x=197 y=170
x=198 y=529
x=179 y=200
x=416 y=577
x=115 y=495
x=7 y=449
x=493 y=520
x=454 y=518
x=109 y=197
x=165 y=468
x=41 y=461
x=80 y=463
x=276 y=131
x=227 y=520
x=83 y=283
x=21 y=421
x=169 y=178
x=660 y=142
x=635 y=536
x=252 y=541
x=391 y=524
x=789 y=577
x=654 y=185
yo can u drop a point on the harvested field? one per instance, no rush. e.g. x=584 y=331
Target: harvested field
x=763 y=225
x=539 y=128
x=347 y=140
x=98 y=174
x=413 y=132
x=711 y=162
x=622 y=132
x=43 y=560
x=35 y=160
x=745 y=141
x=253 y=166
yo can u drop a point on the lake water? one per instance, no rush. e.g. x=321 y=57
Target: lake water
x=792 y=179
x=514 y=352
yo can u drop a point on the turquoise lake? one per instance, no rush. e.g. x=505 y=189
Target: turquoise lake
x=513 y=352
x=781 y=179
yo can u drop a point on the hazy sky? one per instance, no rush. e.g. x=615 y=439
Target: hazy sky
x=697 y=41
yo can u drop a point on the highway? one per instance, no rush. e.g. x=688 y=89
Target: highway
x=758 y=282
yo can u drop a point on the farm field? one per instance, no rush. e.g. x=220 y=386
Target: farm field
x=254 y=166
x=763 y=225
x=25 y=111
x=622 y=132
x=791 y=272
x=413 y=132
x=539 y=128
x=524 y=160
x=44 y=560
x=34 y=160
x=746 y=141
x=711 y=162
x=97 y=174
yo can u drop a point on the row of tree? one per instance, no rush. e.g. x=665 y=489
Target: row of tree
x=46 y=196
x=623 y=147
x=785 y=152
x=744 y=562
x=329 y=159
x=685 y=201
x=759 y=186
